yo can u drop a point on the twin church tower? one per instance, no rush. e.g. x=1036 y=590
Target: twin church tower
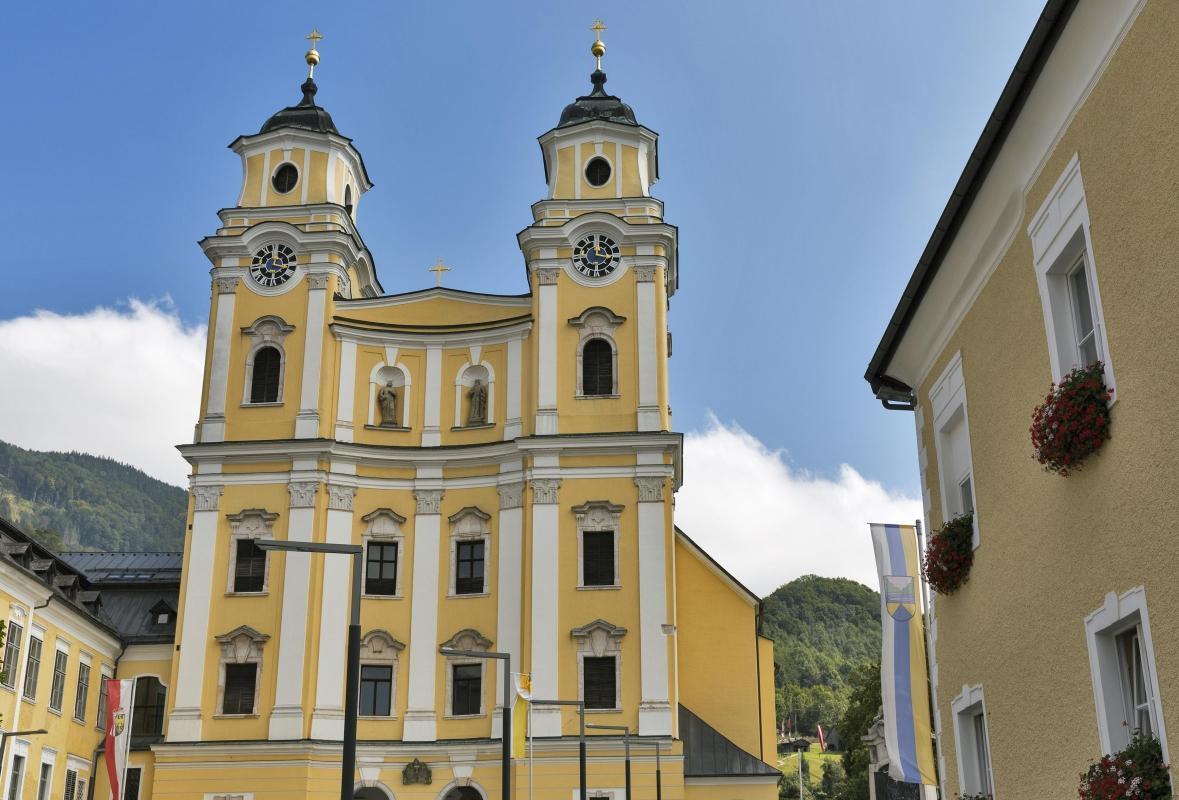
x=508 y=464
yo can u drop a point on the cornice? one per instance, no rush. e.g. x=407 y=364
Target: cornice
x=444 y=292
x=494 y=332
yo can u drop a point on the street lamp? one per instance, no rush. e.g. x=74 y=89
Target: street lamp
x=4 y=740
x=626 y=740
x=352 y=675
x=581 y=735
x=506 y=790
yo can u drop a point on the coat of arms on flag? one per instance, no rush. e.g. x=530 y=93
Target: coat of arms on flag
x=899 y=598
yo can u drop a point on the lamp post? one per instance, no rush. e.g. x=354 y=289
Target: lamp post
x=626 y=742
x=800 y=746
x=4 y=741
x=506 y=790
x=352 y=674
x=581 y=734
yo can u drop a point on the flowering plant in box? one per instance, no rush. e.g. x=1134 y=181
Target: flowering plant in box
x=1137 y=772
x=1073 y=421
x=949 y=554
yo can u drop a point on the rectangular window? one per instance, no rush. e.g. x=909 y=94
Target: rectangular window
x=1137 y=702
x=1084 y=329
x=240 y=682
x=599 y=682
x=249 y=572
x=131 y=784
x=376 y=690
x=32 y=667
x=597 y=558
x=951 y=431
x=469 y=567
x=381 y=575
x=83 y=692
x=104 y=695
x=44 y=781
x=966 y=495
x=151 y=697
x=11 y=654
x=18 y=772
x=467 y=682
x=974 y=752
x=982 y=758
x=71 y=784
x=57 y=690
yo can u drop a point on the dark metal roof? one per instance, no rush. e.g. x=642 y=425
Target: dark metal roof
x=708 y=754
x=126 y=567
x=134 y=612
x=306 y=115
x=891 y=391
x=597 y=105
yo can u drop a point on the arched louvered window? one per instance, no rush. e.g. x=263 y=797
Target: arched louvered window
x=264 y=380
x=597 y=365
x=348 y=199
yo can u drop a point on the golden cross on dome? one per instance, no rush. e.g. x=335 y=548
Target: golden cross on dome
x=598 y=48
x=438 y=269
x=313 y=54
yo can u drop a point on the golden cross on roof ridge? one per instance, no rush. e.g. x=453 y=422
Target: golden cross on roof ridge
x=438 y=269
x=313 y=54
x=598 y=48
x=597 y=28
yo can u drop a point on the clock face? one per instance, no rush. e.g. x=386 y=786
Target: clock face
x=273 y=265
x=596 y=256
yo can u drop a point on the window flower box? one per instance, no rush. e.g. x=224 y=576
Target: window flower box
x=1073 y=421
x=1137 y=772
x=949 y=554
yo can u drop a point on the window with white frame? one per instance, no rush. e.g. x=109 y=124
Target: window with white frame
x=1066 y=274
x=597 y=352
x=249 y=568
x=470 y=540
x=82 y=695
x=464 y=676
x=1121 y=660
x=241 y=664
x=598 y=524
x=952 y=444
x=599 y=665
x=45 y=780
x=33 y=662
x=266 y=361
x=384 y=551
x=11 y=653
x=104 y=697
x=379 y=654
x=61 y=659
x=973 y=742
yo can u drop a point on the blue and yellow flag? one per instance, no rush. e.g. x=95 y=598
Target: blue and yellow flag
x=904 y=675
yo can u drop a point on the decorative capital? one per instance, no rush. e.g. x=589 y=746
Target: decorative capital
x=302 y=493
x=544 y=490
x=511 y=495
x=547 y=276
x=226 y=285
x=208 y=498
x=645 y=274
x=318 y=280
x=650 y=489
x=340 y=497
x=429 y=500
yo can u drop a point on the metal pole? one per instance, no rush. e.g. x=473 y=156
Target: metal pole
x=658 y=773
x=626 y=744
x=800 y=775
x=352 y=686
x=581 y=749
x=506 y=790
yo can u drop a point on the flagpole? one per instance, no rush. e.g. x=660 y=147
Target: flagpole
x=928 y=652
x=529 y=750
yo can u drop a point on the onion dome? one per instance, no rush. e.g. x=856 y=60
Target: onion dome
x=306 y=115
x=597 y=105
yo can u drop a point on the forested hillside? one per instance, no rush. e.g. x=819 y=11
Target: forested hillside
x=74 y=501
x=823 y=629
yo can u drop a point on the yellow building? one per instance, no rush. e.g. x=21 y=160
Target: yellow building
x=1055 y=250
x=507 y=463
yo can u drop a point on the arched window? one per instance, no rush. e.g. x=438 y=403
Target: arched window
x=264 y=380
x=597 y=368
x=348 y=199
x=147 y=720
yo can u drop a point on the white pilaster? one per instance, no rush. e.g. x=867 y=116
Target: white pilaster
x=213 y=427
x=346 y=400
x=511 y=586
x=654 y=706
x=286 y=720
x=513 y=424
x=546 y=348
x=545 y=569
x=649 y=416
x=431 y=425
x=185 y=723
x=307 y=421
x=421 y=716
x=327 y=722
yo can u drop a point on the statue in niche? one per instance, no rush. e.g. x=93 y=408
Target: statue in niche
x=477 y=415
x=387 y=399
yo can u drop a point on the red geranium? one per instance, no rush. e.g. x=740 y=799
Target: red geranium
x=949 y=554
x=1138 y=772
x=1073 y=421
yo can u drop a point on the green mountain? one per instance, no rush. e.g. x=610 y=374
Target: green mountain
x=74 y=501
x=823 y=629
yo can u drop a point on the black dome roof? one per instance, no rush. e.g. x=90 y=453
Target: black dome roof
x=597 y=105
x=305 y=115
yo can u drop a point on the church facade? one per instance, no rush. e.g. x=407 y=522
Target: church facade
x=507 y=463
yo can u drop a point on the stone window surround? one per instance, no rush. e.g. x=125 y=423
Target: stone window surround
x=596 y=322
x=242 y=645
x=377 y=377
x=963 y=709
x=597 y=515
x=267 y=331
x=597 y=639
x=378 y=647
x=466 y=639
x=466 y=525
x=947 y=398
x=462 y=384
x=1116 y=615
x=384 y=526
x=249 y=523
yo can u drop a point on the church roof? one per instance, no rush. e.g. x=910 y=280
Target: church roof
x=597 y=105
x=305 y=115
x=710 y=754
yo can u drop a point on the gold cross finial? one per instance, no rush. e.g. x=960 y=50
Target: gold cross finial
x=438 y=269
x=313 y=54
x=598 y=48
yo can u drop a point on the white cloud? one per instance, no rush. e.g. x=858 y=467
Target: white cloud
x=118 y=382
x=768 y=523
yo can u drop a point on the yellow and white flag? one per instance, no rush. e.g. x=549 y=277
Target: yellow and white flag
x=520 y=702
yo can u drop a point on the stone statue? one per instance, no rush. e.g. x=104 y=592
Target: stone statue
x=478 y=397
x=387 y=398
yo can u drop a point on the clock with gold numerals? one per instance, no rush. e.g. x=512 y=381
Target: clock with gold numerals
x=273 y=265
x=596 y=255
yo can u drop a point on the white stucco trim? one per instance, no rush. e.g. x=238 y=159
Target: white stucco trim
x=307 y=421
x=327 y=721
x=463 y=382
x=286 y=718
x=213 y=429
x=655 y=717
x=345 y=399
x=545 y=642
x=963 y=708
x=390 y=369
x=431 y=425
x=514 y=422
x=510 y=564
x=649 y=418
x=420 y=716
x=546 y=348
x=947 y=398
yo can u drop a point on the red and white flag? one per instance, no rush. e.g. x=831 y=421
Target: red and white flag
x=822 y=739
x=120 y=701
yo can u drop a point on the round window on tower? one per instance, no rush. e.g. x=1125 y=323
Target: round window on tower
x=597 y=171
x=285 y=178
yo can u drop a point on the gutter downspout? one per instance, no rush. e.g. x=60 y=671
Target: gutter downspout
x=761 y=739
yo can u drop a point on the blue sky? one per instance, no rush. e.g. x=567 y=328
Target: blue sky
x=806 y=151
